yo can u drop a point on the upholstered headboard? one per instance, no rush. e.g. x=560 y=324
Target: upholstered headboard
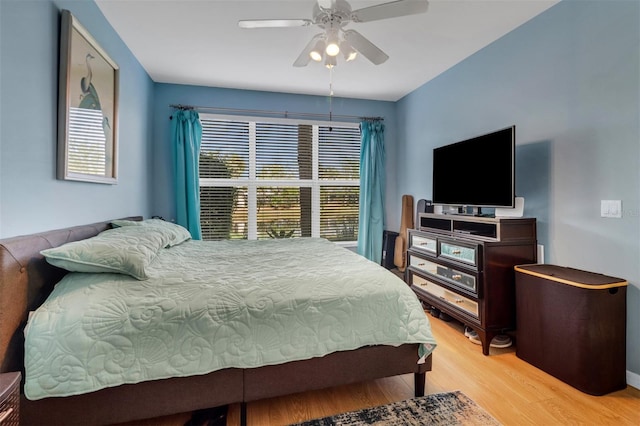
x=26 y=279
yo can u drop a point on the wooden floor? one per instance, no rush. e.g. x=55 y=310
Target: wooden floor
x=512 y=391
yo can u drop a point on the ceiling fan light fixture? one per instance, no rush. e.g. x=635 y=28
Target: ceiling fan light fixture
x=316 y=52
x=333 y=43
x=330 y=62
x=316 y=56
x=332 y=49
x=348 y=51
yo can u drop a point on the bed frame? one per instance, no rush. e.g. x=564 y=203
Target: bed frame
x=26 y=280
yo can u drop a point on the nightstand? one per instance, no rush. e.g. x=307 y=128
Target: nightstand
x=9 y=399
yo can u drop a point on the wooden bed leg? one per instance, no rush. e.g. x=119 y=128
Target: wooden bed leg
x=419 y=382
x=243 y=414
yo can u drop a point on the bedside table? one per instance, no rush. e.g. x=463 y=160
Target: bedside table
x=9 y=399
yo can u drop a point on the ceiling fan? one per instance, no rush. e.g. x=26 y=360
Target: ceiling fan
x=332 y=16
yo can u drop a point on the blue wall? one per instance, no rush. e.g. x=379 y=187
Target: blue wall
x=31 y=199
x=171 y=94
x=570 y=81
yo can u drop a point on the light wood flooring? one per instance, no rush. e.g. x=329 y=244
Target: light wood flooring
x=511 y=390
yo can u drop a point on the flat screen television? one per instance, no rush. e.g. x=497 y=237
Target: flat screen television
x=477 y=172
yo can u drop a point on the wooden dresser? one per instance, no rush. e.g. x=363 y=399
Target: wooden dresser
x=463 y=266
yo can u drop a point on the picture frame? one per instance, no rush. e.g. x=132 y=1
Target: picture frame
x=87 y=107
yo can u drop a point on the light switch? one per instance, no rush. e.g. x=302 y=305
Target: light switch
x=611 y=208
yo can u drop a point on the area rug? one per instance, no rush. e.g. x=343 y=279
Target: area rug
x=450 y=408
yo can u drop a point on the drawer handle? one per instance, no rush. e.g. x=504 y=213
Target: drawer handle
x=5 y=414
x=421 y=264
x=456 y=277
x=456 y=251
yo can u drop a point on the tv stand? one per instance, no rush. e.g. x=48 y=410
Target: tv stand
x=463 y=266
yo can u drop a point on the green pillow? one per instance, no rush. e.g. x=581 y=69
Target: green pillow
x=175 y=233
x=128 y=250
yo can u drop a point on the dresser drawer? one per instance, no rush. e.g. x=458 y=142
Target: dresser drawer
x=425 y=244
x=463 y=280
x=9 y=399
x=468 y=254
x=423 y=264
x=451 y=298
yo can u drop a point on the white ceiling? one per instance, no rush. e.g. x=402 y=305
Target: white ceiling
x=198 y=42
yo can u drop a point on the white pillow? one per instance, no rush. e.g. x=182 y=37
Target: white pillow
x=176 y=233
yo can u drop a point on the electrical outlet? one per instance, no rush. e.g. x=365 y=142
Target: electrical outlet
x=611 y=208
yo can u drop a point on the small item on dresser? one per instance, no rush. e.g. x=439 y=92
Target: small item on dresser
x=422 y=206
x=9 y=399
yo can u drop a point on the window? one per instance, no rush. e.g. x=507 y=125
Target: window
x=265 y=178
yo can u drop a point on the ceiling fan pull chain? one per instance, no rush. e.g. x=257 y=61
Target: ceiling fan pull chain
x=331 y=81
x=330 y=97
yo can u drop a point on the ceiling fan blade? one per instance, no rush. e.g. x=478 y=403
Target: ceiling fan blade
x=304 y=57
x=390 y=10
x=365 y=47
x=274 y=23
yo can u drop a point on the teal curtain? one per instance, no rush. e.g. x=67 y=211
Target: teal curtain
x=186 y=137
x=372 y=176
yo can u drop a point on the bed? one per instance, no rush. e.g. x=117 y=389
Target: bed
x=254 y=372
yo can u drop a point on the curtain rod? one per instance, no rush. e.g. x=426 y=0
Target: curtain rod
x=285 y=114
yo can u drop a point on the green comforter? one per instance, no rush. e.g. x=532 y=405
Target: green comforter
x=214 y=305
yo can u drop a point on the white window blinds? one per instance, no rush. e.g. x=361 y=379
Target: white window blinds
x=278 y=179
x=338 y=167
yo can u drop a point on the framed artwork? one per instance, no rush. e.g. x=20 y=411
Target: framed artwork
x=87 y=107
